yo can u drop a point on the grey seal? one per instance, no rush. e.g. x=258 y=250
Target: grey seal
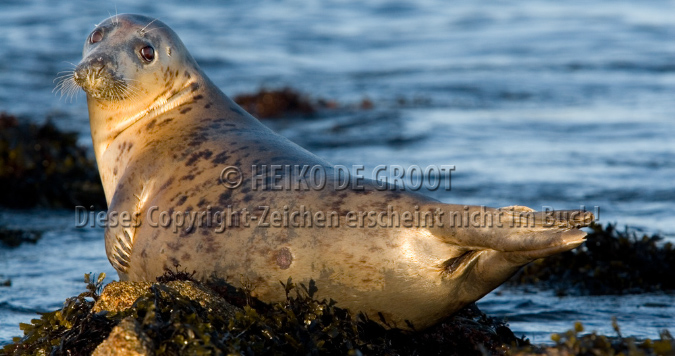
x=162 y=135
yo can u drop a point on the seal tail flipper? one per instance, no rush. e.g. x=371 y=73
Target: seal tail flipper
x=548 y=232
x=523 y=216
x=514 y=229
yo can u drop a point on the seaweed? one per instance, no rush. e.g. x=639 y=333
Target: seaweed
x=176 y=325
x=42 y=166
x=286 y=101
x=176 y=275
x=267 y=103
x=169 y=319
x=15 y=237
x=609 y=262
x=572 y=342
x=73 y=329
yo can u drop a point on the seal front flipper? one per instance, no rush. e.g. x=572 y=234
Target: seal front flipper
x=125 y=216
x=118 y=245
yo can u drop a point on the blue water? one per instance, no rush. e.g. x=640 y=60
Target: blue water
x=534 y=102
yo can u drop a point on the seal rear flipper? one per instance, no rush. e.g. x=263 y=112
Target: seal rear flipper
x=511 y=229
x=481 y=271
x=570 y=239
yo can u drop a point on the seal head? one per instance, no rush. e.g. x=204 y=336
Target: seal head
x=133 y=66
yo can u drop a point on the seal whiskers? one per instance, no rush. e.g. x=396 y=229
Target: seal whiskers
x=66 y=85
x=142 y=31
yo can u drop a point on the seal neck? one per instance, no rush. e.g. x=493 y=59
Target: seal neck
x=109 y=119
x=161 y=105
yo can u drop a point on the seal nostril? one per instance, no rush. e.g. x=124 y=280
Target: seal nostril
x=96 y=66
x=80 y=73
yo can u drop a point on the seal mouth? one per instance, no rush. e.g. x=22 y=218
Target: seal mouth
x=100 y=83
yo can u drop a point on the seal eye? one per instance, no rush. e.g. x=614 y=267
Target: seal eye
x=148 y=53
x=96 y=36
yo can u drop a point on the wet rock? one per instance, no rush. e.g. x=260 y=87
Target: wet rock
x=609 y=262
x=42 y=166
x=206 y=297
x=120 y=296
x=127 y=338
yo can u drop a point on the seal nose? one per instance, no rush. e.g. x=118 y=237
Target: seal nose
x=93 y=67
x=96 y=65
